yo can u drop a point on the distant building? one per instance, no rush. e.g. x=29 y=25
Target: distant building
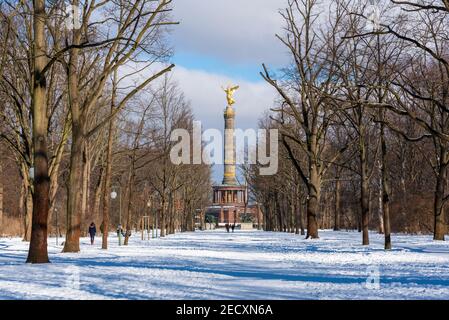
x=230 y=199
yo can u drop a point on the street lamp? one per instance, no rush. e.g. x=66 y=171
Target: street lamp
x=113 y=197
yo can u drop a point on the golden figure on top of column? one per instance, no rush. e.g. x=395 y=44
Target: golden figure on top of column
x=230 y=90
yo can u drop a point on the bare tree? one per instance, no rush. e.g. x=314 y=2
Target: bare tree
x=171 y=112
x=306 y=95
x=136 y=33
x=423 y=26
x=38 y=244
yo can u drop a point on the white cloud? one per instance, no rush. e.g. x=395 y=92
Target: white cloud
x=234 y=30
x=203 y=90
x=208 y=100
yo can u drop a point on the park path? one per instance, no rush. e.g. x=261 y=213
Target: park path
x=240 y=265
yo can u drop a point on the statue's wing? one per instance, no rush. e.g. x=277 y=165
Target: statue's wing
x=235 y=88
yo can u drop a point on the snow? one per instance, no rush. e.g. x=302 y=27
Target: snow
x=240 y=265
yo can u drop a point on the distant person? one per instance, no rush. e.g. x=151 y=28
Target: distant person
x=233 y=227
x=120 y=231
x=227 y=227
x=92 y=232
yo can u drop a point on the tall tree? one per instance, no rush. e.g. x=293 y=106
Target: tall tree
x=137 y=32
x=431 y=49
x=306 y=95
x=38 y=244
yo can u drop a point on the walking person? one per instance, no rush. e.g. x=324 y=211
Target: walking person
x=120 y=232
x=92 y=232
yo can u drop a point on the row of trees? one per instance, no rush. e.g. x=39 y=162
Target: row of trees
x=363 y=118
x=87 y=106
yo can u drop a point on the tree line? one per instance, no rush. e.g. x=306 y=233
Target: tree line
x=87 y=108
x=362 y=112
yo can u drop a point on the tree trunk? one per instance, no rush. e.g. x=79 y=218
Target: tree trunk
x=404 y=190
x=267 y=217
x=27 y=219
x=77 y=153
x=292 y=215
x=313 y=203
x=337 y=208
x=439 y=221
x=38 y=243
x=189 y=219
x=170 y=229
x=54 y=171
x=1 y=200
x=85 y=214
x=129 y=188
x=108 y=170
x=203 y=219
x=279 y=215
x=97 y=196
x=75 y=192
x=297 y=213
x=380 y=211
x=302 y=209
x=51 y=209
x=364 y=194
x=26 y=203
x=173 y=215
x=53 y=190
x=22 y=209
x=385 y=190
x=163 y=214
x=312 y=225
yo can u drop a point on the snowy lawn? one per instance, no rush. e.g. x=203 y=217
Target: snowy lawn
x=243 y=265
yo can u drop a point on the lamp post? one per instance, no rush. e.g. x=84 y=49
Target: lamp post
x=114 y=196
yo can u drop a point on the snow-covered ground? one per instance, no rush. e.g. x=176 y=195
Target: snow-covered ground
x=243 y=265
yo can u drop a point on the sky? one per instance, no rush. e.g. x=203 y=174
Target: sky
x=225 y=42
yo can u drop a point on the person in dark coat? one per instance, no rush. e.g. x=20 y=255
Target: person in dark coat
x=227 y=227
x=233 y=227
x=120 y=231
x=92 y=232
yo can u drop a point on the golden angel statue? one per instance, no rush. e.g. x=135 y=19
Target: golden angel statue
x=230 y=90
